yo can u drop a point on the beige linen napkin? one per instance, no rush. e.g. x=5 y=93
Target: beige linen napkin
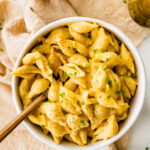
x=22 y=19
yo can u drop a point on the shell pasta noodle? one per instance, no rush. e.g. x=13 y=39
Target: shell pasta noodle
x=91 y=79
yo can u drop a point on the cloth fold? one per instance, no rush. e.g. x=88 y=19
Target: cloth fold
x=22 y=18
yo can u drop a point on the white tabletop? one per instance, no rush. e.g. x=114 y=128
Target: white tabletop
x=140 y=136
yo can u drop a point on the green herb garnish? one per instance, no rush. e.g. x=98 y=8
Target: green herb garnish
x=81 y=103
x=73 y=67
x=106 y=59
x=118 y=92
x=64 y=111
x=105 y=68
x=75 y=73
x=109 y=82
x=75 y=50
x=42 y=126
x=97 y=103
x=82 y=121
x=61 y=94
x=61 y=100
x=125 y=1
x=127 y=69
x=123 y=92
x=117 y=52
x=74 y=43
x=146 y=148
x=2 y=21
x=125 y=75
x=65 y=73
x=109 y=95
x=105 y=79
x=102 y=50
x=40 y=113
x=94 y=50
x=1 y=50
x=86 y=65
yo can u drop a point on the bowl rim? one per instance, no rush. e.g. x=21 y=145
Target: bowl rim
x=120 y=35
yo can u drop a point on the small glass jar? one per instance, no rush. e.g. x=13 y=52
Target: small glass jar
x=140 y=11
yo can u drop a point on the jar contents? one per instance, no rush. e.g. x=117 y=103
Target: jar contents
x=140 y=11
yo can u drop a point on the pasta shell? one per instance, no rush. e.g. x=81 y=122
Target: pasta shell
x=69 y=47
x=79 y=60
x=127 y=58
x=57 y=34
x=106 y=131
x=38 y=86
x=83 y=27
x=72 y=70
x=102 y=42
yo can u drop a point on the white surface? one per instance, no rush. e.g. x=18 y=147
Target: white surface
x=140 y=136
x=136 y=104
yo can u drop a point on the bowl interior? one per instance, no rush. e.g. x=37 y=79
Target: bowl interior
x=136 y=103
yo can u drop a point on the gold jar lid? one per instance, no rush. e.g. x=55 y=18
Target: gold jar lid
x=140 y=11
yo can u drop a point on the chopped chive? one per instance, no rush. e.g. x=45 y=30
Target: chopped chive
x=82 y=121
x=75 y=50
x=86 y=65
x=40 y=113
x=117 y=52
x=1 y=28
x=75 y=73
x=125 y=75
x=97 y=103
x=105 y=68
x=93 y=108
x=42 y=126
x=61 y=100
x=108 y=96
x=64 y=111
x=123 y=92
x=106 y=59
x=61 y=94
x=2 y=20
x=125 y=1
x=89 y=36
x=1 y=50
x=94 y=50
x=81 y=103
x=102 y=50
x=127 y=69
x=109 y=82
x=73 y=67
x=74 y=43
x=105 y=79
x=118 y=92
x=65 y=73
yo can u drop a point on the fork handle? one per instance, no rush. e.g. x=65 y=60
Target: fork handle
x=13 y=124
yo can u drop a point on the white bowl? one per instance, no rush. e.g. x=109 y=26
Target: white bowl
x=136 y=104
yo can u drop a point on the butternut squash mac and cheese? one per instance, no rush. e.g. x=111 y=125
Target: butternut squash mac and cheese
x=91 y=79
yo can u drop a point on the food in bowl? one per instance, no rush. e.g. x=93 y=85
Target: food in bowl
x=91 y=79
